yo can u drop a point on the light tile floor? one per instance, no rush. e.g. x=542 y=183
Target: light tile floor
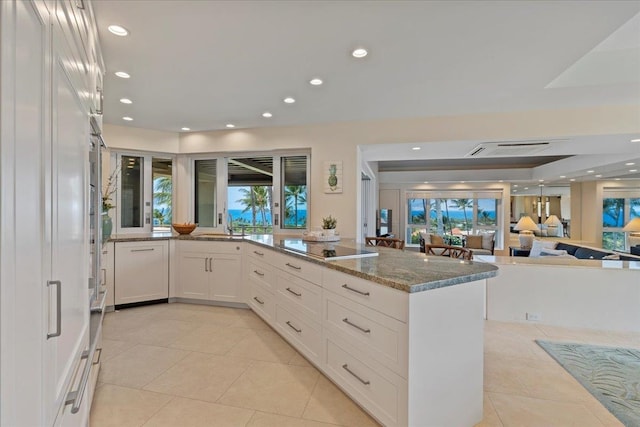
x=195 y=365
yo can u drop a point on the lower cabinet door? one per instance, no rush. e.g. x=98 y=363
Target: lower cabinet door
x=226 y=278
x=193 y=275
x=261 y=301
x=378 y=390
x=303 y=334
x=141 y=271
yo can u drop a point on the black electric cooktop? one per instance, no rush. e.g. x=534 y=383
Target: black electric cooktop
x=324 y=250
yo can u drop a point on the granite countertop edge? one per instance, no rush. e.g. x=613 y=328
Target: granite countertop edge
x=491 y=271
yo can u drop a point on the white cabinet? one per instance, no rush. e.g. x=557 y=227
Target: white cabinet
x=107 y=264
x=141 y=271
x=210 y=271
x=44 y=245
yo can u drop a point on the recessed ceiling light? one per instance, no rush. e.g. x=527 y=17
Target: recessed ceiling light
x=127 y=118
x=426 y=182
x=230 y=125
x=629 y=164
x=122 y=74
x=315 y=82
x=562 y=176
x=462 y=182
x=118 y=30
x=289 y=100
x=359 y=52
x=186 y=128
x=633 y=170
x=516 y=185
x=616 y=179
x=541 y=180
x=126 y=101
x=526 y=188
x=572 y=179
x=415 y=148
x=590 y=171
x=598 y=176
x=635 y=140
x=267 y=114
x=501 y=180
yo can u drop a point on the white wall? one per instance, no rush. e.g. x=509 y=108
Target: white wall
x=340 y=141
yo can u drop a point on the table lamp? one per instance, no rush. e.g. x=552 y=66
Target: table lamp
x=632 y=226
x=552 y=222
x=526 y=226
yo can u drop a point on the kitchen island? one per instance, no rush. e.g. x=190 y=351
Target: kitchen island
x=399 y=332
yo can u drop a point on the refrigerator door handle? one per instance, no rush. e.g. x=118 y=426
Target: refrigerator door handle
x=58 y=285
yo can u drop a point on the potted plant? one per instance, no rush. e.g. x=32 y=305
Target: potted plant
x=107 y=205
x=329 y=225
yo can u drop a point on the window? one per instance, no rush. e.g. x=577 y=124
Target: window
x=294 y=189
x=144 y=194
x=451 y=216
x=132 y=191
x=162 y=194
x=619 y=206
x=250 y=194
x=205 y=192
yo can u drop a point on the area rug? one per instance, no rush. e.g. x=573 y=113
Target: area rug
x=612 y=375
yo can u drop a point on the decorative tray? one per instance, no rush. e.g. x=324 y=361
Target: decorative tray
x=321 y=238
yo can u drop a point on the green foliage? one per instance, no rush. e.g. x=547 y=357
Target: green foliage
x=329 y=223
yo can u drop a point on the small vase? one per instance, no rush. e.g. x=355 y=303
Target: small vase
x=329 y=232
x=107 y=227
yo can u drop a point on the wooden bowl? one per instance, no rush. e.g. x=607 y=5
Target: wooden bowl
x=184 y=228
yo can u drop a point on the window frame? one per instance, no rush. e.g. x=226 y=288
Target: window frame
x=115 y=159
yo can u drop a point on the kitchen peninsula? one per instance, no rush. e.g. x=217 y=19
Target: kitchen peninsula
x=401 y=333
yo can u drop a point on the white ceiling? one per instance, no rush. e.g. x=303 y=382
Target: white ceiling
x=203 y=64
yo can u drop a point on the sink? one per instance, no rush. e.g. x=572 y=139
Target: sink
x=228 y=236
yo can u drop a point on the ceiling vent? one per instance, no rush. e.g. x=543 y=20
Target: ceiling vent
x=508 y=149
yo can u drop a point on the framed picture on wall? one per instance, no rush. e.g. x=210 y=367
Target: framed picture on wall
x=333 y=176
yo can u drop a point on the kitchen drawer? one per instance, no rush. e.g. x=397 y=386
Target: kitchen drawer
x=261 y=254
x=231 y=247
x=381 y=392
x=382 y=337
x=261 y=274
x=301 y=333
x=262 y=302
x=389 y=301
x=304 y=269
x=301 y=295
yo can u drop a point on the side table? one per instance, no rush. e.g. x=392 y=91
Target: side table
x=518 y=251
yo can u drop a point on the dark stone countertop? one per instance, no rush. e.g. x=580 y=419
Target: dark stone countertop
x=404 y=270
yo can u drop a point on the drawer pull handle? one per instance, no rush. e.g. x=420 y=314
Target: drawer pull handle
x=205 y=264
x=293 y=327
x=258 y=273
x=366 y=294
x=346 y=368
x=258 y=253
x=293 y=266
x=258 y=300
x=346 y=320
x=142 y=250
x=294 y=292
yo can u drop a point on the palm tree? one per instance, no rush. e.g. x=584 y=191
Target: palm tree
x=614 y=209
x=162 y=191
x=437 y=203
x=263 y=201
x=295 y=195
x=249 y=201
x=463 y=204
